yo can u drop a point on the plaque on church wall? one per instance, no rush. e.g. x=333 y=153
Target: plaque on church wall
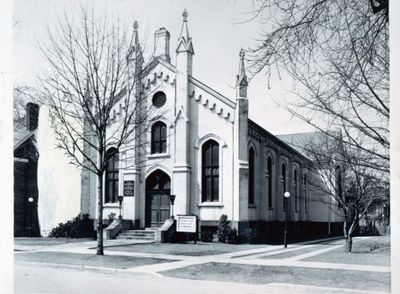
x=129 y=188
x=186 y=223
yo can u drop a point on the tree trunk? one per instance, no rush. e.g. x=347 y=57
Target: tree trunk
x=348 y=237
x=100 y=250
x=349 y=243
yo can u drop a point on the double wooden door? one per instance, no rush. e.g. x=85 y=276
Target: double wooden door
x=158 y=203
x=158 y=208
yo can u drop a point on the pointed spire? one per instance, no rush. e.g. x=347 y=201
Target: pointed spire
x=241 y=77
x=184 y=40
x=185 y=30
x=136 y=47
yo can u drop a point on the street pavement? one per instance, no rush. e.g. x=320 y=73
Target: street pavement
x=31 y=279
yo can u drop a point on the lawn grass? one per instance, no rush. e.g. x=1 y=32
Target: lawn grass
x=373 y=251
x=255 y=274
x=199 y=249
x=108 y=261
x=47 y=241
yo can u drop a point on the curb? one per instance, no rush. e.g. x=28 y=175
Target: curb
x=85 y=268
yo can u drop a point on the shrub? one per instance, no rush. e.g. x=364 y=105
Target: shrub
x=76 y=228
x=250 y=234
x=225 y=232
x=206 y=236
x=233 y=237
x=112 y=216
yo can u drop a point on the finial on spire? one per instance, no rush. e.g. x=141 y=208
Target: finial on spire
x=241 y=81
x=185 y=15
x=242 y=72
x=184 y=40
x=241 y=54
x=135 y=25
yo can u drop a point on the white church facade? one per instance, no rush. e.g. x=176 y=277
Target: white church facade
x=205 y=150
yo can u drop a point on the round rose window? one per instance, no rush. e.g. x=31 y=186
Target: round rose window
x=159 y=99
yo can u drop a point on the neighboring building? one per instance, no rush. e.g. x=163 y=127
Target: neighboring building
x=207 y=152
x=25 y=173
x=41 y=179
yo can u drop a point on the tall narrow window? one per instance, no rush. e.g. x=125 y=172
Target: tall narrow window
x=111 y=184
x=210 y=171
x=339 y=190
x=296 y=194
x=159 y=138
x=269 y=183
x=305 y=193
x=283 y=185
x=251 y=176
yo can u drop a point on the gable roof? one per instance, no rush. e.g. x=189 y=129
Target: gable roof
x=278 y=140
x=157 y=60
x=20 y=140
x=212 y=92
x=153 y=63
x=299 y=140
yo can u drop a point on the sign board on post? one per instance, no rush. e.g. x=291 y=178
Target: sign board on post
x=186 y=223
x=129 y=188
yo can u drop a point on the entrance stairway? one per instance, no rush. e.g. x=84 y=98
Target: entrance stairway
x=138 y=235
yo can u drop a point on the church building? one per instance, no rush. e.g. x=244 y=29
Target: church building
x=205 y=151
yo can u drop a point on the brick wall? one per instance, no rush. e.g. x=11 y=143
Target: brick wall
x=26 y=221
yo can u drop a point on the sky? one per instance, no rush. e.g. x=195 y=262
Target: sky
x=218 y=30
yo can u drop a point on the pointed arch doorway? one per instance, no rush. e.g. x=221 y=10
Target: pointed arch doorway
x=158 y=190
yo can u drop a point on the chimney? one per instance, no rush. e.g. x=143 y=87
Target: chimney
x=161 y=44
x=32 y=116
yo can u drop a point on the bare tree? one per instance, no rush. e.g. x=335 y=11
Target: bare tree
x=21 y=96
x=337 y=53
x=343 y=176
x=92 y=92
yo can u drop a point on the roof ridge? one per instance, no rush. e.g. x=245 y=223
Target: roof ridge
x=212 y=92
x=26 y=137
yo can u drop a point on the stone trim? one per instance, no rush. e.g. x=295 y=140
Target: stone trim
x=212 y=92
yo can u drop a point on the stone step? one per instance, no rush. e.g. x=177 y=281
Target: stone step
x=136 y=234
x=135 y=238
x=147 y=235
x=140 y=231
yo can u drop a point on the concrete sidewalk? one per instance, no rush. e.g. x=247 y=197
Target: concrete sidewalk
x=249 y=257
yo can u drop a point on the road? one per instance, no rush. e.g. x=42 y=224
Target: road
x=32 y=278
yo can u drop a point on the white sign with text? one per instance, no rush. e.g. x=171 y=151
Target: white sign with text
x=186 y=223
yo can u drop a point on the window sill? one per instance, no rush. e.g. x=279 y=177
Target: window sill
x=158 y=155
x=270 y=208
x=211 y=204
x=110 y=205
x=252 y=206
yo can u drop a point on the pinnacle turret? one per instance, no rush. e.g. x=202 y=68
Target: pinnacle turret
x=184 y=40
x=241 y=78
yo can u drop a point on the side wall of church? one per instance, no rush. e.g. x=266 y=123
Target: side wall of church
x=266 y=146
x=211 y=119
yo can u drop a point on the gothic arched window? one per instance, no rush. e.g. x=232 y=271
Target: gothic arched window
x=339 y=189
x=210 y=171
x=159 y=138
x=111 y=185
x=269 y=181
x=283 y=175
x=296 y=191
x=305 y=193
x=251 y=176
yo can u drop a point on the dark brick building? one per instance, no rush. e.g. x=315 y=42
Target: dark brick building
x=26 y=156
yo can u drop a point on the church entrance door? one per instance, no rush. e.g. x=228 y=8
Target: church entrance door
x=158 y=189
